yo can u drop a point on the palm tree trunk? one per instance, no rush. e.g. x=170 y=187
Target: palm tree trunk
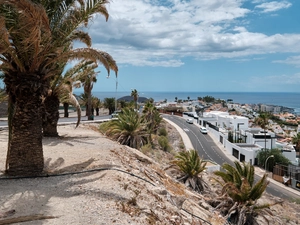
x=66 y=109
x=25 y=155
x=51 y=116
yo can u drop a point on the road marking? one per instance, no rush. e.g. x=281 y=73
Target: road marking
x=186 y=130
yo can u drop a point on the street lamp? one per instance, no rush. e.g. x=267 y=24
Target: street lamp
x=116 y=103
x=271 y=156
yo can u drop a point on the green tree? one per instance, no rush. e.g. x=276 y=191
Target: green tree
x=208 y=99
x=296 y=141
x=109 y=103
x=88 y=78
x=278 y=158
x=96 y=104
x=263 y=121
x=152 y=116
x=176 y=99
x=33 y=50
x=239 y=205
x=191 y=166
x=129 y=129
x=66 y=28
x=135 y=95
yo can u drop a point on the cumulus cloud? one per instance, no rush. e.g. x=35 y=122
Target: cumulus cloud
x=273 y=6
x=162 y=33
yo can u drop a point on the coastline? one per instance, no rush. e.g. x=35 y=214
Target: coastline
x=285 y=99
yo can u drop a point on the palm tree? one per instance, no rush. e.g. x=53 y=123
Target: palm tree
x=109 y=103
x=96 y=104
x=241 y=194
x=296 y=141
x=128 y=129
x=191 y=166
x=135 y=95
x=88 y=79
x=263 y=122
x=60 y=19
x=33 y=50
x=152 y=116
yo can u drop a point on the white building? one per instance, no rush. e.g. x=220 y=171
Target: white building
x=220 y=125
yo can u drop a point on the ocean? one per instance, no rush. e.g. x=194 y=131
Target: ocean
x=286 y=99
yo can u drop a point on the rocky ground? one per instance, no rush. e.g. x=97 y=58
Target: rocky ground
x=93 y=180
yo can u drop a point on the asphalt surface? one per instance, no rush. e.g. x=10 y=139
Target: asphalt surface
x=210 y=149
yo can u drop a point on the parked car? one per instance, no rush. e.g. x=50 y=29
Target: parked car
x=203 y=130
x=189 y=120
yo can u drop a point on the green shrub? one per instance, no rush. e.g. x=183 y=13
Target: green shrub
x=164 y=143
x=162 y=132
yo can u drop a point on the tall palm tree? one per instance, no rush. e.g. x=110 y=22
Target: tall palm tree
x=96 y=104
x=240 y=206
x=88 y=78
x=70 y=23
x=135 y=95
x=191 y=167
x=263 y=122
x=32 y=54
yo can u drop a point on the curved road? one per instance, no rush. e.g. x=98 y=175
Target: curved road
x=207 y=149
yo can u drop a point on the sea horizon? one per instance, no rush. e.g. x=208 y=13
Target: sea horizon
x=285 y=99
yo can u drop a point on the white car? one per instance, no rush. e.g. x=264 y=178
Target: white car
x=203 y=130
x=190 y=120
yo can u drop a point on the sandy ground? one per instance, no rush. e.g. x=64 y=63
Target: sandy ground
x=94 y=180
x=123 y=186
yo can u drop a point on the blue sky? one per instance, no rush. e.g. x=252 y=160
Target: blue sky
x=200 y=45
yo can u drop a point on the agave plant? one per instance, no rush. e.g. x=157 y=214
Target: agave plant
x=240 y=194
x=191 y=166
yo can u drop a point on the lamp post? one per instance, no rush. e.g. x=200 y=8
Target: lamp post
x=116 y=103
x=271 y=156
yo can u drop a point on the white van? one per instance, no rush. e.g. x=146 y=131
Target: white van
x=203 y=130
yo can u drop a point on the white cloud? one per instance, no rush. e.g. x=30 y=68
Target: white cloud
x=273 y=6
x=293 y=60
x=161 y=33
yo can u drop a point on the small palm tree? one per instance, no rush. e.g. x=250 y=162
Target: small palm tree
x=135 y=95
x=241 y=194
x=128 y=129
x=109 y=103
x=191 y=166
x=152 y=116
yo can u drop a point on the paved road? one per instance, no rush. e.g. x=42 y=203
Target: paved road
x=63 y=120
x=208 y=149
